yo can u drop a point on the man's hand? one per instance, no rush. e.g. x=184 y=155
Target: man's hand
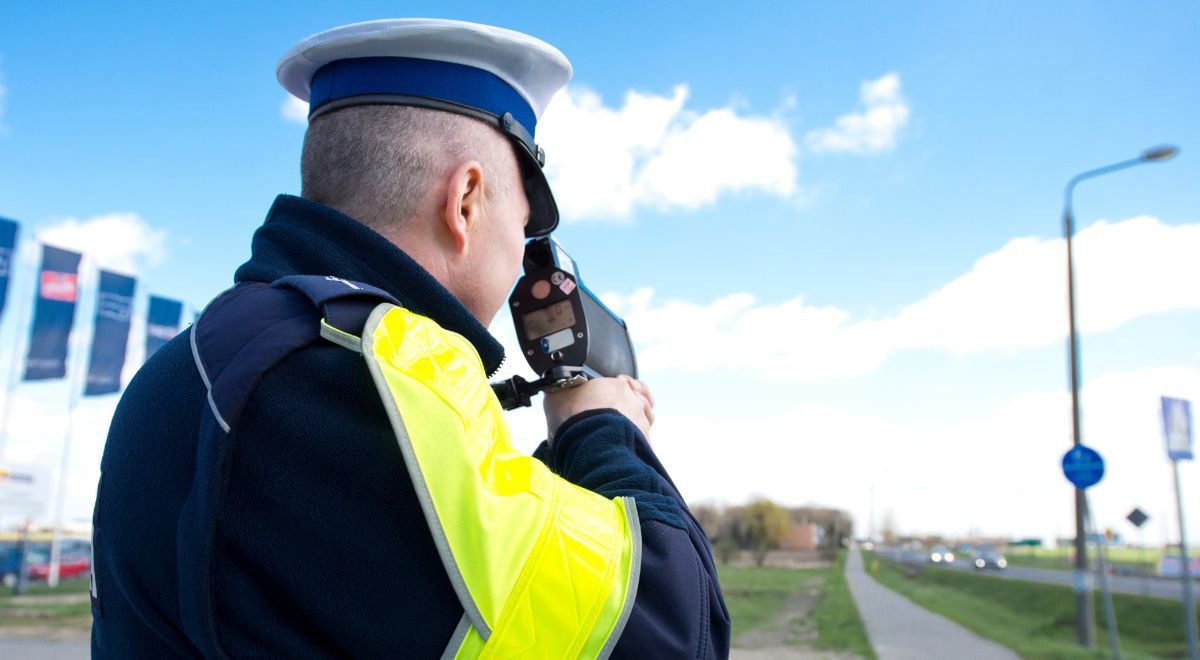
x=628 y=396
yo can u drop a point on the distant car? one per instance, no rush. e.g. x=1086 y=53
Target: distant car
x=10 y=560
x=990 y=559
x=940 y=554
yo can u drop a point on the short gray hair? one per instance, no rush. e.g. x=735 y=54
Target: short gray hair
x=377 y=163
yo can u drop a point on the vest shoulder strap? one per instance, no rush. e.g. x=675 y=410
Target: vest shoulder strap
x=345 y=305
x=253 y=326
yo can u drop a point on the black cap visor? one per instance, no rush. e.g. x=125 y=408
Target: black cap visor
x=543 y=212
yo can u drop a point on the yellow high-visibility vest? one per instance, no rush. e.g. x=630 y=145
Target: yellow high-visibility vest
x=542 y=567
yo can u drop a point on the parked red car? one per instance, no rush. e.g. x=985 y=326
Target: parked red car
x=72 y=565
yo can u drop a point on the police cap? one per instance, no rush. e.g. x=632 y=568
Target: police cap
x=499 y=76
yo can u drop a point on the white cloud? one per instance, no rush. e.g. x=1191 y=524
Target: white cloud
x=651 y=152
x=998 y=472
x=822 y=343
x=815 y=454
x=1011 y=299
x=1016 y=297
x=294 y=110
x=870 y=130
x=121 y=241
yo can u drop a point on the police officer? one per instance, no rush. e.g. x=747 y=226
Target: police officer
x=318 y=468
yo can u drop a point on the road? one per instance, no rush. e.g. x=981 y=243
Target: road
x=39 y=649
x=1166 y=588
x=902 y=630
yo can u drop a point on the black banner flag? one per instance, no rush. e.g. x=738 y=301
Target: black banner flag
x=58 y=289
x=8 y=250
x=162 y=323
x=114 y=302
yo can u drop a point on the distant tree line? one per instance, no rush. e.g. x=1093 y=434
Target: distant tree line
x=762 y=526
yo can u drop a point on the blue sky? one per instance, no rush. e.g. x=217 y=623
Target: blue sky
x=769 y=240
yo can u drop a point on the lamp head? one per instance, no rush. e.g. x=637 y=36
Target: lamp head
x=1165 y=152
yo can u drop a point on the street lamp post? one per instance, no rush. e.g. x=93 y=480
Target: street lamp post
x=1085 y=615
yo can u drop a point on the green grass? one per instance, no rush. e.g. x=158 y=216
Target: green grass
x=756 y=597
x=836 y=615
x=1141 y=560
x=35 y=609
x=71 y=586
x=1038 y=620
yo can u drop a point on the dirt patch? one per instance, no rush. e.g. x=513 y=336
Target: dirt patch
x=783 y=559
x=48 y=599
x=787 y=653
x=792 y=633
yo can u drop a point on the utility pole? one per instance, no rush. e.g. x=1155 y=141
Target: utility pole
x=1084 y=607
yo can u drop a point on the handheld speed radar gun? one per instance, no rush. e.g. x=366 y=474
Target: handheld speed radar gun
x=566 y=334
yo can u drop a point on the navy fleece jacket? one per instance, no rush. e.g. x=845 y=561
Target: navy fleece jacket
x=321 y=549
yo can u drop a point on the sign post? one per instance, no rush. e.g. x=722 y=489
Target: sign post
x=1138 y=519
x=1177 y=427
x=1084 y=468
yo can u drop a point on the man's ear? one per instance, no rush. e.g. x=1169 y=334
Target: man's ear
x=463 y=204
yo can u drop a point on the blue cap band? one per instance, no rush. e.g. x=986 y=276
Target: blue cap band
x=447 y=81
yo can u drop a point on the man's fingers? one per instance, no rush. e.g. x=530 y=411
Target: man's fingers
x=646 y=392
x=639 y=387
x=643 y=392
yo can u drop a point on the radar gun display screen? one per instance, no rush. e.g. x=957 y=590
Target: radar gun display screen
x=548 y=319
x=567 y=334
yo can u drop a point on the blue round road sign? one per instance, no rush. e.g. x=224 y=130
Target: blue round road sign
x=1083 y=466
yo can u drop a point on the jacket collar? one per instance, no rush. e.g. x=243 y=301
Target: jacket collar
x=302 y=237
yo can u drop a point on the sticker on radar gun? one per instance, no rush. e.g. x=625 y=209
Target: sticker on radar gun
x=567 y=286
x=1083 y=466
x=558 y=277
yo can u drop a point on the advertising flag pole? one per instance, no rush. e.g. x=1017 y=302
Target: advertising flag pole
x=76 y=375
x=59 y=500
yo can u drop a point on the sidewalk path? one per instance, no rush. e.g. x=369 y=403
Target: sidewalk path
x=900 y=629
x=38 y=649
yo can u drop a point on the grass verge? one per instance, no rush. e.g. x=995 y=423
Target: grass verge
x=42 y=608
x=1139 y=560
x=758 y=596
x=1037 y=620
x=838 y=622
